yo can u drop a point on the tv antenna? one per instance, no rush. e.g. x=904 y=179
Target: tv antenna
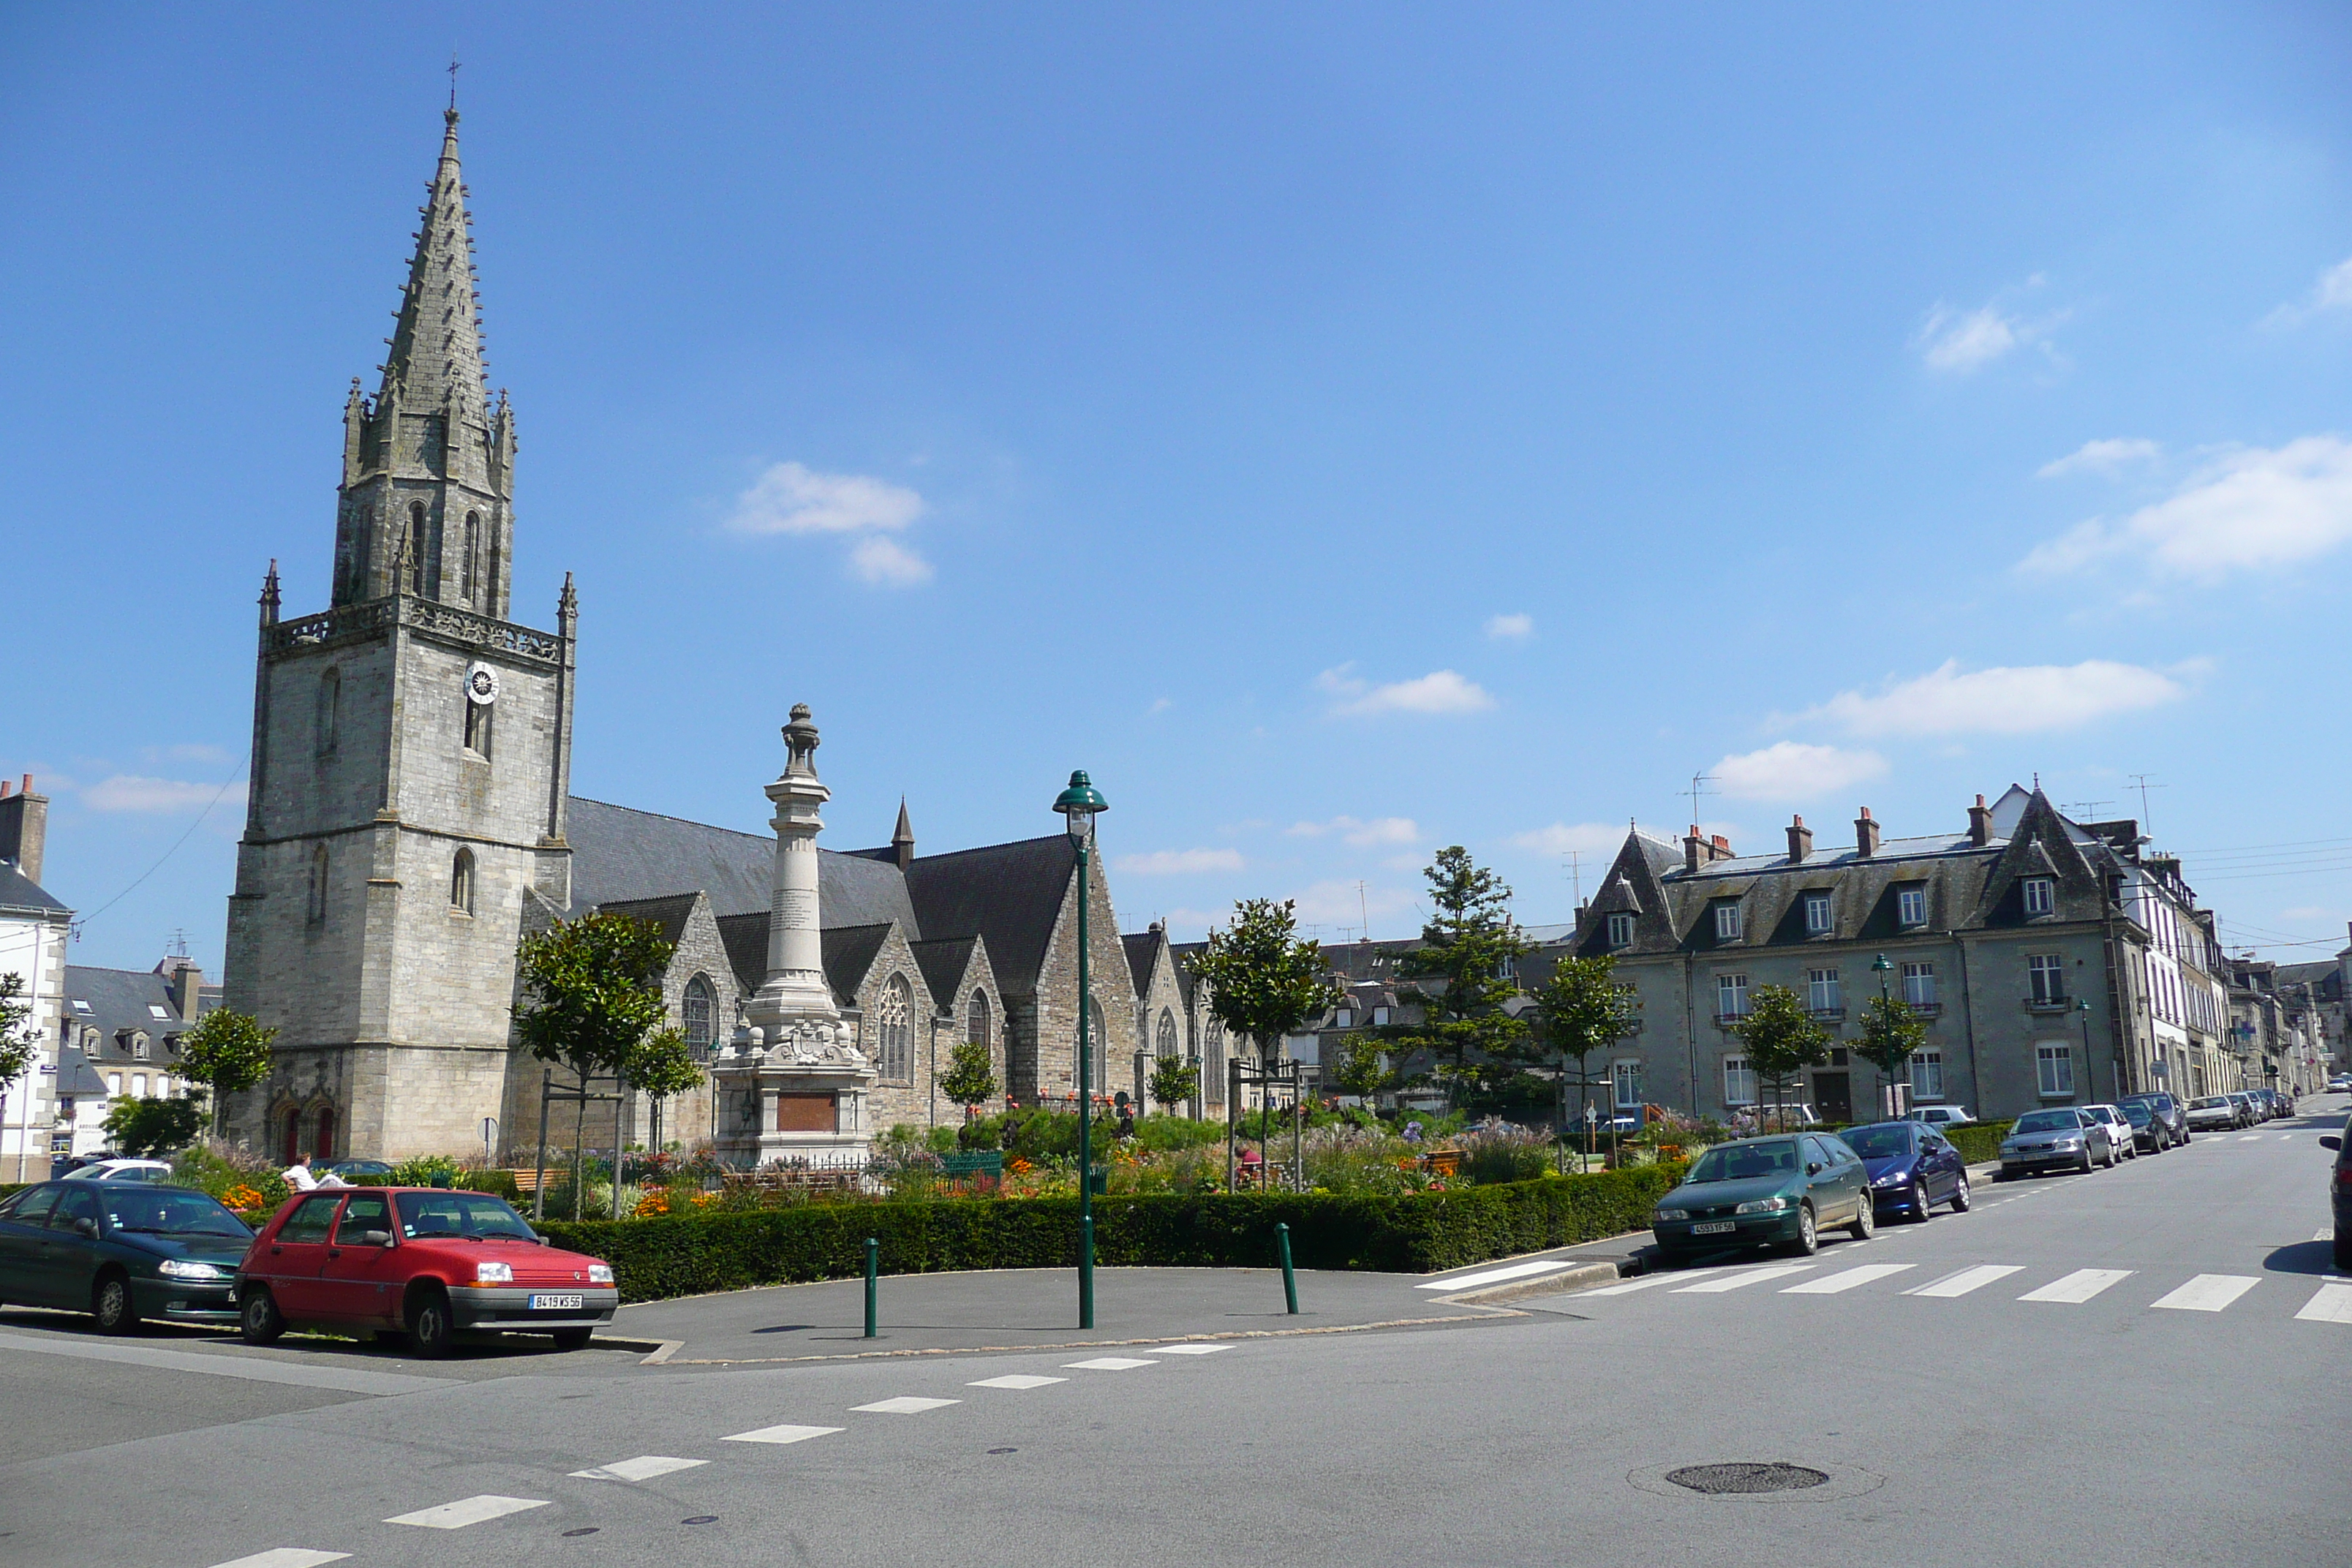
x=1576 y=875
x=1698 y=787
x=2142 y=783
x=1363 y=911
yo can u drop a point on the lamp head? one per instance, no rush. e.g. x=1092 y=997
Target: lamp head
x=1880 y=964
x=1078 y=805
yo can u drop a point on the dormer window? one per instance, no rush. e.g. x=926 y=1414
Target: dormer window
x=1345 y=1018
x=1727 y=920
x=138 y=1047
x=1620 y=931
x=1818 y=922
x=2041 y=895
x=1911 y=906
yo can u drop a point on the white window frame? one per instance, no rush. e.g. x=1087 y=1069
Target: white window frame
x=2058 y=1055
x=2037 y=964
x=1620 y=931
x=1622 y=1071
x=1345 y=1018
x=1927 y=1075
x=1824 y=992
x=1379 y=1018
x=1911 y=906
x=1727 y=920
x=1733 y=987
x=1919 y=984
x=2041 y=896
x=1820 y=916
x=1737 y=1074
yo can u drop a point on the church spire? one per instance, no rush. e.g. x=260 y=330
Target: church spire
x=436 y=365
x=902 y=842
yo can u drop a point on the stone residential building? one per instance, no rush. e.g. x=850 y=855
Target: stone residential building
x=2010 y=940
x=127 y=1023
x=34 y=929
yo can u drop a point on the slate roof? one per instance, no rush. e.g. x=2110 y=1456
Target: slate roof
x=120 y=999
x=1009 y=895
x=745 y=938
x=943 y=963
x=670 y=912
x=620 y=855
x=76 y=1076
x=18 y=891
x=848 y=954
x=1141 y=948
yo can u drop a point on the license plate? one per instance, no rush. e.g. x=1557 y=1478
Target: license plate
x=1714 y=1227
x=555 y=1303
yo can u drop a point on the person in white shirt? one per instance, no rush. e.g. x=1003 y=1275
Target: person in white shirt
x=300 y=1177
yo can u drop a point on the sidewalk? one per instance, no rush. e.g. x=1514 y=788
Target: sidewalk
x=1022 y=1308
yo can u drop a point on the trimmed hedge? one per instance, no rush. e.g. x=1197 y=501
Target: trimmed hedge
x=1414 y=1233
x=1980 y=1143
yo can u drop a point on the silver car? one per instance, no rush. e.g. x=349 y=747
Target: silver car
x=2119 y=1127
x=2062 y=1138
x=2212 y=1113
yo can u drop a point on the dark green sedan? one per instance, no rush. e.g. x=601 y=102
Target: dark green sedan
x=121 y=1251
x=1761 y=1192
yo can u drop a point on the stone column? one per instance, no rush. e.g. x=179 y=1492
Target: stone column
x=795 y=984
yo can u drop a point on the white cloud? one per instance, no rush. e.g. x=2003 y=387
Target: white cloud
x=2108 y=458
x=1511 y=628
x=129 y=793
x=888 y=564
x=1581 y=837
x=793 y=499
x=1332 y=904
x=1160 y=705
x=2021 y=700
x=1379 y=830
x=1791 y=769
x=2332 y=291
x=1440 y=691
x=2249 y=509
x=1179 y=862
x=1958 y=341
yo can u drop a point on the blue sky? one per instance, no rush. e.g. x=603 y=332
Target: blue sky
x=1345 y=431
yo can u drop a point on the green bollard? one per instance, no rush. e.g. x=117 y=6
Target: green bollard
x=873 y=1260
x=1289 y=1280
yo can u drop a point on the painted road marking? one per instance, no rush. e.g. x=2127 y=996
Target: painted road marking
x=1108 y=1364
x=1752 y=1277
x=2331 y=1304
x=285 y=1557
x=1832 y=1284
x=1643 y=1283
x=1189 y=1350
x=906 y=1405
x=781 y=1434
x=1965 y=1280
x=643 y=1467
x=2250 y=1137
x=224 y=1363
x=2327 y=1235
x=2078 y=1286
x=1015 y=1379
x=467 y=1510
x=2208 y=1292
x=1497 y=1276
x=2286 y=1137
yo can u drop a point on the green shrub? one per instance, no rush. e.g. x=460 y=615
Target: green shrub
x=1413 y=1233
x=1980 y=1142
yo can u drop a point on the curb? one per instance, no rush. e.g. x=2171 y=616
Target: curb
x=1583 y=1277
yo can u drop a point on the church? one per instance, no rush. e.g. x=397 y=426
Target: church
x=410 y=816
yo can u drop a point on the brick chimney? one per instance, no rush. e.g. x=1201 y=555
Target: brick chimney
x=1718 y=848
x=24 y=827
x=1800 y=840
x=186 y=984
x=1980 y=824
x=1865 y=835
x=1695 y=852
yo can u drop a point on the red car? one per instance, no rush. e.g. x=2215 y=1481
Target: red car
x=424 y=1260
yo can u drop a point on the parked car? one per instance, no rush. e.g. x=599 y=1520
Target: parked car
x=120 y=1251
x=359 y=1173
x=123 y=1171
x=2063 y=1136
x=2339 y=1191
x=2248 y=1114
x=1785 y=1118
x=1941 y=1116
x=426 y=1261
x=2119 y=1129
x=2169 y=1110
x=1912 y=1167
x=2148 y=1130
x=2212 y=1113
x=1758 y=1192
x=2340 y=1084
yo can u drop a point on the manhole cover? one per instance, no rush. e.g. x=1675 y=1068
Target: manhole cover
x=1720 y=1480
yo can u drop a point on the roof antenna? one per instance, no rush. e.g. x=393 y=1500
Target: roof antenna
x=1698 y=788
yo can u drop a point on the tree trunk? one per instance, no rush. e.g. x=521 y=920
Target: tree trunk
x=580 y=1152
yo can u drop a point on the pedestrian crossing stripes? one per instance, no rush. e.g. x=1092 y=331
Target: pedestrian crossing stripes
x=1848 y=1280
x=781 y=1434
x=2331 y=1302
x=643 y=1467
x=285 y=1557
x=2208 y=1293
x=1647 y=1281
x=1967 y=1279
x=1741 y=1281
x=906 y=1405
x=1016 y=1380
x=2332 y=1305
x=467 y=1510
x=2078 y=1286
x=1497 y=1275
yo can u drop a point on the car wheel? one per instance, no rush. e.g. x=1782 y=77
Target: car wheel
x=1926 y=1209
x=429 y=1326
x=2088 y=1164
x=1865 y=1219
x=1808 y=1237
x=111 y=1304
x=1960 y=1194
x=572 y=1339
x=258 y=1320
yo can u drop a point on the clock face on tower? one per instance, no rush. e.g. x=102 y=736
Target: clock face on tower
x=481 y=684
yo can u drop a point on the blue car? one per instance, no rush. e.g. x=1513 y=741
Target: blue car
x=1912 y=1168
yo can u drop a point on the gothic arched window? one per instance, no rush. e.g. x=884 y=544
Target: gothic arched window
x=1167 y=1044
x=1212 y=1061
x=700 y=1013
x=465 y=568
x=330 y=703
x=415 y=547
x=461 y=882
x=432 y=564
x=893 y=1030
x=975 y=1019
x=317 y=883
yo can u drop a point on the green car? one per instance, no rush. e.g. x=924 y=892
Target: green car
x=121 y=1251
x=1766 y=1192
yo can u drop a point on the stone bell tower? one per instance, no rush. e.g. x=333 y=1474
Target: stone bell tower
x=793 y=1081
x=412 y=752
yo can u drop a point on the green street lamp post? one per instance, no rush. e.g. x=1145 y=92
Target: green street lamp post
x=1887 y=1092
x=2083 y=1012
x=1078 y=804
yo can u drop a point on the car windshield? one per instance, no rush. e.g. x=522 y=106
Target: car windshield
x=1744 y=1162
x=1878 y=1142
x=460 y=1213
x=164 y=1212
x=2139 y=1114
x=2210 y=1102
x=2046 y=1121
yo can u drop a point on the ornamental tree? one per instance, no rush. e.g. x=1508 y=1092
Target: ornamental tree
x=970 y=1077
x=1363 y=1068
x=1466 y=964
x=1581 y=1009
x=1781 y=1036
x=1890 y=1033
x=593 y=1004
x=148 y=1128
x=1263 y=982
x=226 y=1052
x=19 y=1046
x=1174 y=1080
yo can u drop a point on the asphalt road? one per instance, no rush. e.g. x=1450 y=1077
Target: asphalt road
x=2140 y=1363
